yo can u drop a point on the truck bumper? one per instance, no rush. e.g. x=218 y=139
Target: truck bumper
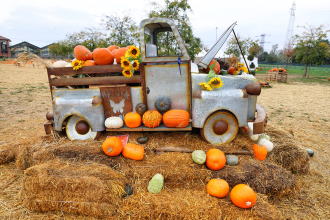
x=260 y=121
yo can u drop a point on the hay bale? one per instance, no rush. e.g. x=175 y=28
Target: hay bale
x=86 y=189
x=288 y=153
x=263 y=177
x=191 y=204
x=7 y=155
x=24 y=157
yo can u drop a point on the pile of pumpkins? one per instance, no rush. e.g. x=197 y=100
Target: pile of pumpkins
x=99 y=56
x=171 y=118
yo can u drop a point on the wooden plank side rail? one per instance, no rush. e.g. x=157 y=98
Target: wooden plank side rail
x=112 y=80
x=101 y=69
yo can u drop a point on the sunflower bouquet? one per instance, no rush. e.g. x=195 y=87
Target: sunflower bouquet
x=213 y=81
x=131 y=61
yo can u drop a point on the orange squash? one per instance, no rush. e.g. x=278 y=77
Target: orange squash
x=243 y=196
x=82 y=53
x=112 y=146
x=89 y=63
x=118 y=53
x=231 y=70
x=215 y=159
x=102 y=56
x=112 y=47
x=133 y=151
x=152 y=118
x=216 y=67
x=132 y=120
x=259 y=152
x=176 y=118
x=218 y=188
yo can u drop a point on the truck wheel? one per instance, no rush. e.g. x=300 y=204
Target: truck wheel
x=78 y=129
x=220 y=128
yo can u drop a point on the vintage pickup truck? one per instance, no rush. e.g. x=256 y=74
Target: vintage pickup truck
x=81 y=105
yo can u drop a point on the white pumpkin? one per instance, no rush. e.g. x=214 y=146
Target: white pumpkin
x=268 y=144
x=60 y=63
x=254 y=137
x=114 y=122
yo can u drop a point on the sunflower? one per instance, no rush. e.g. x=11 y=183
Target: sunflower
x=133 y=52
x=77 y=64
x=127 y=73
x=124 y=63
x=215 y=82
x=135 y=64
x=205 y=86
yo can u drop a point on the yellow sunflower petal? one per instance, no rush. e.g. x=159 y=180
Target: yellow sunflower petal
x=127 y=73
x=124 y=63
x=133 y=52
x=205 y=86
x=136 y=64
x=215 y=82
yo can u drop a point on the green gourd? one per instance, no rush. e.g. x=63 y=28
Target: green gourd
x=198 y=156
x=156 y=183
x=163 y=104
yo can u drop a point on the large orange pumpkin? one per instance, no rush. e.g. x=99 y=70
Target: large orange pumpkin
x=243 y=196
x=112 y=47
x=112 y=146
x=132 y=120
x=260 y=152
x=218 y=188
x=152 y=118
x=216 y=67
x=102 y=56
x=176 y=118
x=133 y=151
x=215 y=159
x=82 y=53
x=118 y=53
x=89 y=63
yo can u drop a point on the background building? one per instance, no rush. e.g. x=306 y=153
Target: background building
x=4 y=47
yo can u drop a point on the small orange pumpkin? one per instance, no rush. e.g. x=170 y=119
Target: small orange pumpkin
x=112 y=146
x=218 y=188
x=215 y=159
x=133 y=151
x=259 y=152
x=118 y=53
x=82 y=53
x=231 y=70
x=89 y=63
x=112 y=47
x=132 y=120
x=243 y=196
x=216 y=67
x=152 y=118
x=102 y=56
x=176 y=118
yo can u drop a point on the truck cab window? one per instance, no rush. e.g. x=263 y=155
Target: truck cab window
x=167 y=44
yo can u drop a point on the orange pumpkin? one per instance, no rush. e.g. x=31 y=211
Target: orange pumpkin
x=231 y=70
x=133 y=151
x=218 y=188
x=118 y=53
x=89 y=63
x=112 y=146
x=112 y=47
x=259 y=152
x=132 y=120
x=152 y=118
x=215 y=159
x=82 y=53
x=176 y=118
x=216 y=67
x=243 y=196
x=102 y=56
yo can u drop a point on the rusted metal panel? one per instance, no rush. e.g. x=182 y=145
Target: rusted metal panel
x=113 y=80
x=48 y=126
x=65 y=71
x=170 y=80
x=116 y=100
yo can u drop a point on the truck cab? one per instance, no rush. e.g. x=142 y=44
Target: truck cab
x=165 y=71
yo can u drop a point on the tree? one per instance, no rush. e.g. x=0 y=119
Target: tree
x=248 y=46
x=178 y=11
x=123 y=31
x=312 y=47
x=61 y=49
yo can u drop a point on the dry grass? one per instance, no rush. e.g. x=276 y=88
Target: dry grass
x=299 y=117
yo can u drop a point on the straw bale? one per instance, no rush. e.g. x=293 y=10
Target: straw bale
x=263 y=177
x=191 y=204
x=87 y=189
x=287 y=152
x=7 y=155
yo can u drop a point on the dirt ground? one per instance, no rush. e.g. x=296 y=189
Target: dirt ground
x=303 y=110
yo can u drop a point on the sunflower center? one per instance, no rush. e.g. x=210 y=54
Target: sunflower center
x=134 y=51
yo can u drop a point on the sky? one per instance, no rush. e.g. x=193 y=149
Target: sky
x=42 y=22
